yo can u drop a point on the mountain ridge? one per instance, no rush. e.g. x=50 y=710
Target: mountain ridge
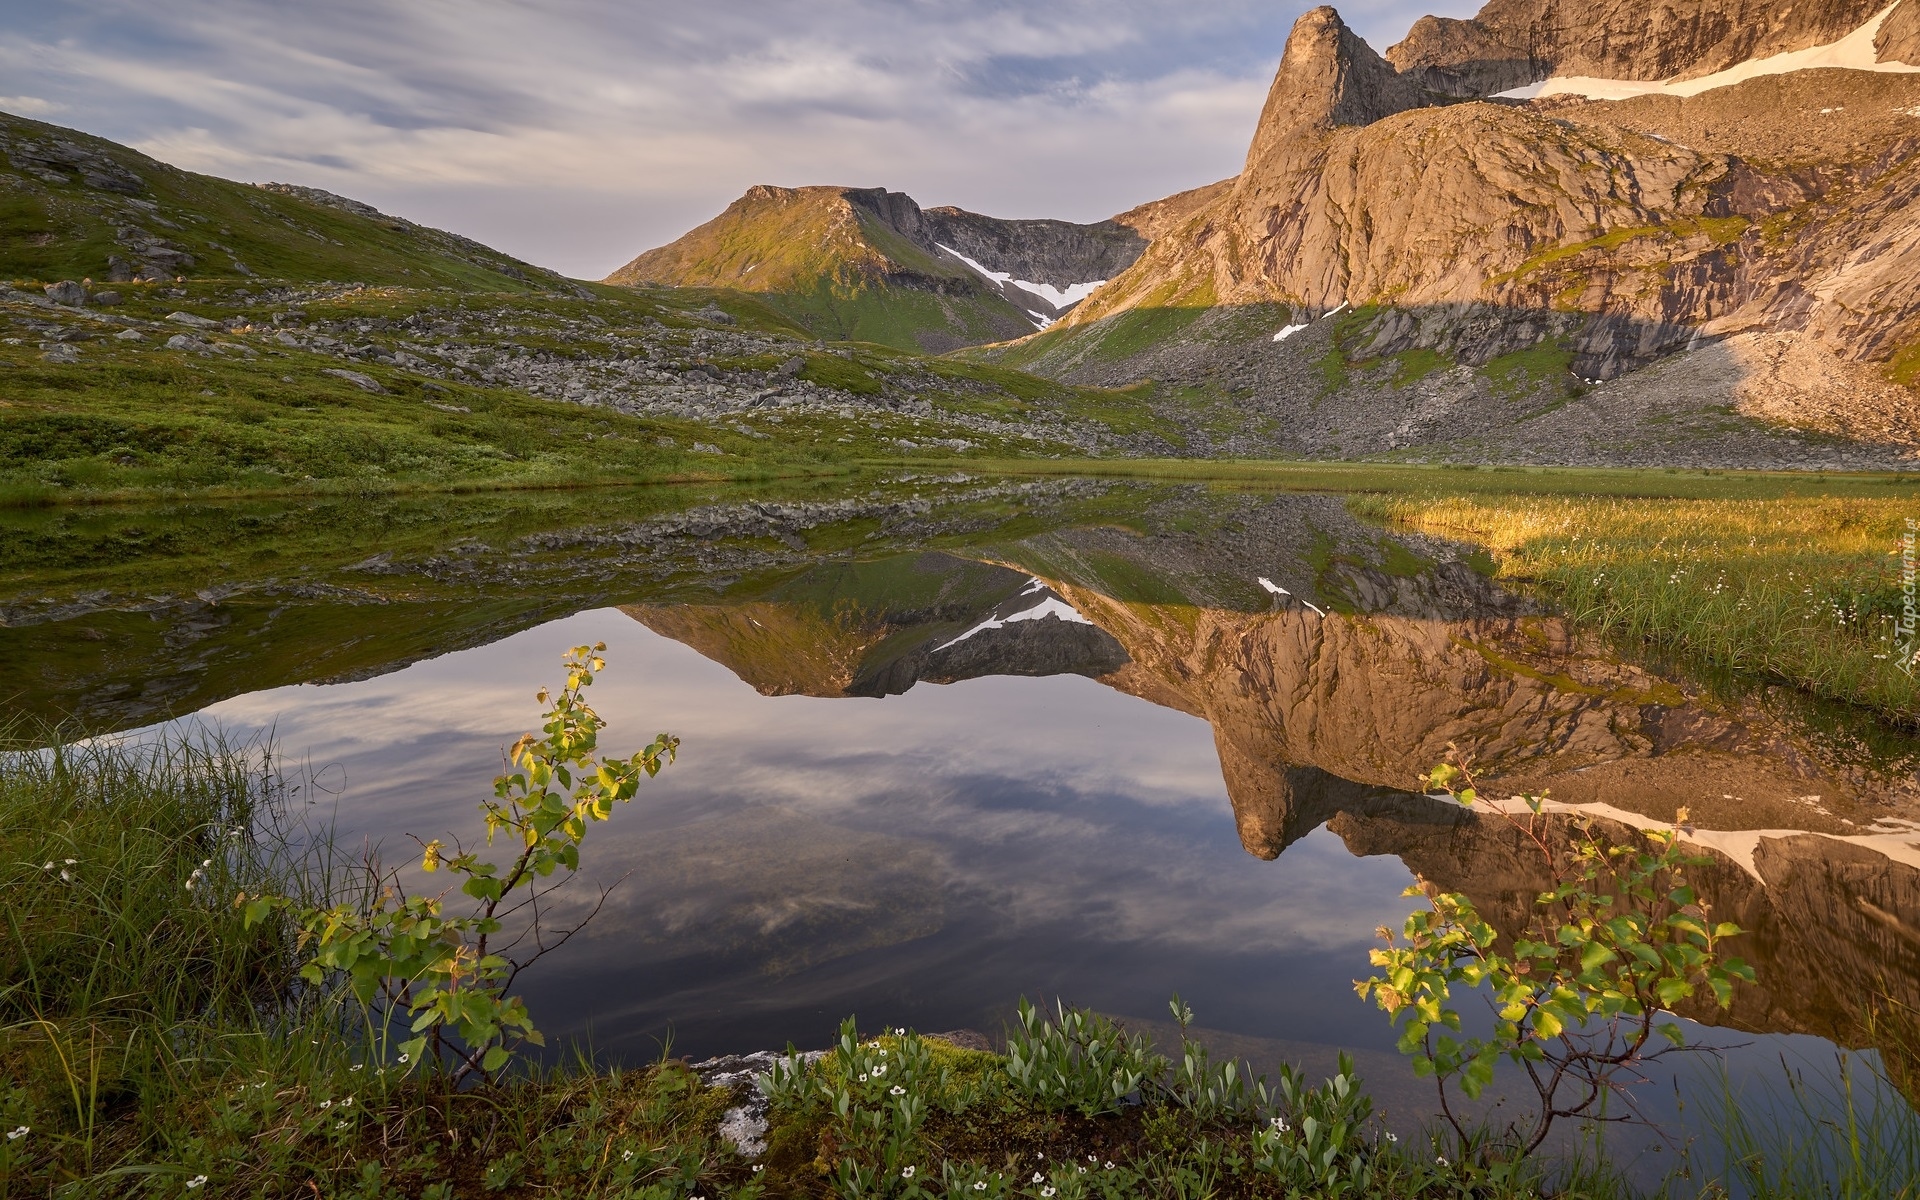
x=1451 y=234
x=836 y=257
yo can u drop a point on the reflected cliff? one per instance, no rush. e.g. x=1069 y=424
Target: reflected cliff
x=1334 y=665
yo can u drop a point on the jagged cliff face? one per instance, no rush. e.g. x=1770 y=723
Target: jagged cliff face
x=1617 y=231
x=869 y=263
x=1510 y=43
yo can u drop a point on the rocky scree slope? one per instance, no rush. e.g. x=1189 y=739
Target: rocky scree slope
x=869 y=264
x=1587 y=238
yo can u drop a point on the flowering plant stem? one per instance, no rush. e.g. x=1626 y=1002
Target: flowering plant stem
x=1619 y=938
x=405 y=957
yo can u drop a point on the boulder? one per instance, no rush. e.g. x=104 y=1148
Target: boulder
x=191 y=321
x=67 y=291
x=365 y=383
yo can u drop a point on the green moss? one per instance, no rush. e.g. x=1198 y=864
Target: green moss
x=1720 y=231
x=1411 y=366
x=1524 y=371
x=831 y=370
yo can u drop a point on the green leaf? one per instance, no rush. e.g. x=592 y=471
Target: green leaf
x=1672 y=1033
x=1671 y=990
x=495 y=1058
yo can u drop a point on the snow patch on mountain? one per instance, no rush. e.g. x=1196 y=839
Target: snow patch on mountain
x=1058 y=298
x=1855 y=52
x=1049 y=606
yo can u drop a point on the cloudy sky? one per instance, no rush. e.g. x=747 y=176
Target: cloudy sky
x=576 y=133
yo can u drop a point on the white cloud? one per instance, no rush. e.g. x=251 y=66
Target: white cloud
x=28 y=106
x=578 y=132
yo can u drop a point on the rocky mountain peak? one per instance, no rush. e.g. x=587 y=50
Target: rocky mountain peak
x=1329 y=76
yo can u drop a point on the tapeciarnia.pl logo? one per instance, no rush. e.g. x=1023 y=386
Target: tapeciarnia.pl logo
x=1910 y=608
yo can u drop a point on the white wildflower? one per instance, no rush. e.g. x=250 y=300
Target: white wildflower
x=198 y=1181
x=14 y=1135
x=1392 y=1136
x=906 y=1173
x=879 y=1070
x=1038 y=1177
x=896 y=1090
x=1046 y=1191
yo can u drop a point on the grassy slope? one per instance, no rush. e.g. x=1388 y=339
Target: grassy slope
x=66 y=230
x=129 y=420
x=834 y=268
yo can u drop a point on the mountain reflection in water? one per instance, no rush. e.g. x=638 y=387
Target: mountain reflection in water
x=1133 y=725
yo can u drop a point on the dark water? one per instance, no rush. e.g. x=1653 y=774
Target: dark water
x=989 y=741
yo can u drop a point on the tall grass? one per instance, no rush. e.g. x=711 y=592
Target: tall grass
x=122 y=947
x=1853 y=1137
x=1801 y=591
x=152 y=1044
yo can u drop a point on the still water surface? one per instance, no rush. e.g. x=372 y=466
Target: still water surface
x=1099 y=742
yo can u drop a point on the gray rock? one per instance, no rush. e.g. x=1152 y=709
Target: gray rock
x=106 y=298
x=365 y=383
x=192 y=321
x=130 y=335
x=704 y=448
x=62 y=353
x=67 y=291
x=186 y=341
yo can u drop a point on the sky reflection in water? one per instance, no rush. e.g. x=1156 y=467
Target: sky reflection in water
x=923 y=859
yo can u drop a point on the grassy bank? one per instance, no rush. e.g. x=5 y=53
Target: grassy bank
x=1802 y=591
x=1306 y=476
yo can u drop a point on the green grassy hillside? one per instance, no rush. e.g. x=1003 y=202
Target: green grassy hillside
x=837 y=267
x=74 y=206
